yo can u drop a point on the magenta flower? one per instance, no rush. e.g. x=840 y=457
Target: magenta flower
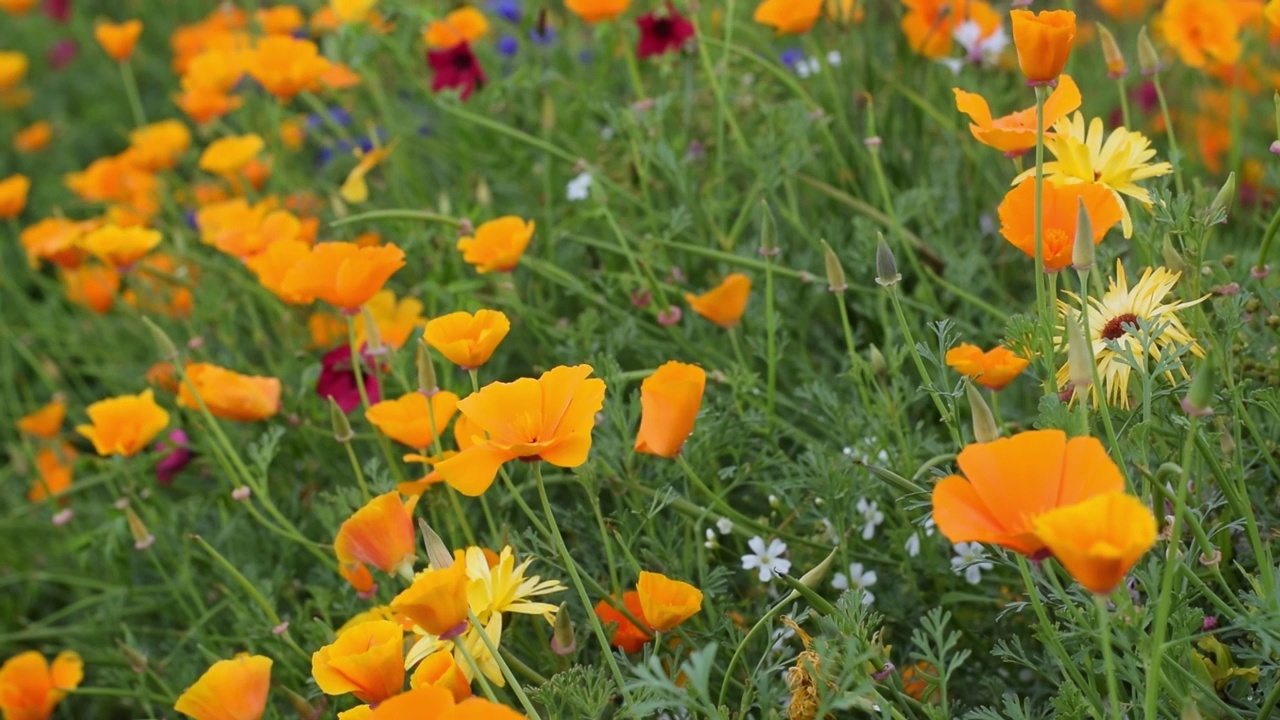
x=661 y=34
x=338 y=379
x=177 y=453
x=456 y=67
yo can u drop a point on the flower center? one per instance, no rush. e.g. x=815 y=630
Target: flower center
x=664 y=28
x=1114 y=329
x=462 y=60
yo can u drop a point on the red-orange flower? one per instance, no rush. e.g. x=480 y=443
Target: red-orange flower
x=1015 y=133
x=628 y=636
x=379 y=534
x=56 y=471
x=1060 y=208
x=666 y=602
x=228 y=394
x=342 y=274
x=93 y=286
x=725 y=303
x=441 y=670
x=993 y=369
x=1043 y=41
x=366 y=660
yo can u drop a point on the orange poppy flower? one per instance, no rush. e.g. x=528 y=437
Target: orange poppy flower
x=1200 y=31
x=437 y=600
x=467 y=340
x=930 y=24
x=1099 y=539
x=118 y=39
x=379 y=534
x=342 y=274
x=1043 y=41
x=158 y=146
x=13 y=68
x=33 y=138
x=233 y=689
x=56 y=470
x=441 y=670
x=1125 y=9
x=13 y=196
x=788 y=17
x=30 y=688
x=414 y=488
x=395 y=320
x=228 y=394
x=125 y=424
x=1015 y=133
x=547 y=419
x=497 y=245
x=466 y=24
x=1013 y=481
x=367 y=661
x=120 y=247
x=280 y=19
x=340 y=77
x=45 y=422
x=594 y=11
x=17 y=7
x=163 y=375
x=628 y=636
x=667 y=603
x=326 y=330
x=725 y=303
x=429 y=702
x=204 y=106
x=273 y=265
x=1060 y=208
x=993 y=369
x=92 y=286
x=669 y=402
x=413 y=419
x=56 y=240
x=348 y=11
x=229 y=155
x=286 y=66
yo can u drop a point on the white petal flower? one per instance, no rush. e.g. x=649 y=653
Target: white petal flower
x=579 y=188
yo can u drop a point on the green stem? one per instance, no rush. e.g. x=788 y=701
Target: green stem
x=1124 y=101
x=485 y=687
x=131 y=92
x=925 y=377
x=502 y=665
x=1103 y=408
x=1042 y=295
x=397 y=214
x=355 y=467
x=771 y=331
x=1108 y=658
x=1050 y=633
x=1175 y=155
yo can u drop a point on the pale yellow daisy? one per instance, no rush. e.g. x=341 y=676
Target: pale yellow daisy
x=504 y=588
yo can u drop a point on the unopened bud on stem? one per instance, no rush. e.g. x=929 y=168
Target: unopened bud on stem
x=835 y=271
x=887 y=274
x=1082 y=252
x=427 y=384
x=1172 y=259
x=1079 y=365
x=563 y=640
x=768 y=231
x=984 y=423
x=1148 y=58
x=437 y=552
x=1220 y=208
x=341 y=426
x=1116 y=67
x=1199 y=399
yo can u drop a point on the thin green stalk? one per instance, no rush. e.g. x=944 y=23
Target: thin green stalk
x=396 y=214
x=1108 y=658
x=1124 y=101
x=478 y=676
x=1103 y=409
x=1042 y=297
x=763 y=622
x=502 y=665
x=1050 y=633
x=1175 y=155
x=771 y=331
x=925 y=377
x=558 y=541
x=131 y=92
x=355 y=467
x=251 y=591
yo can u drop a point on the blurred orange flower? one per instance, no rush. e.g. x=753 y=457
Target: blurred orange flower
x=725 y=303
x=1015 y=133
x=228 y=394
x=204 y=106
x=1013 y=481
x=349 y=11
x=120 y=247
x=17 y=7
x=429 y=702
x=594 y=11
x=379 y=534
x=55 y=468
x=667 y=603
x=437 y=600
x=326 y=330
x=497 y=245
x=280 y=19
x=930 y=24
x=340 y=77
x=13 y=196
x=163 y=375
x=1125 y=9
x=466 y=24
x=30 y=688
x=1043 y=41
x=1060 y=208
x=56 y=240
x=13 y=68
x=33 y=138
x=273 y=265
x=413 y=419
x=91 y=285
x=342 y=274
x=286 y=66
x=159 y=145
x=1099 y=539
x=669 y=402
x=229 y=155
x=441 y=670
x=467 y=340
x=233 y=689
x=118 y=39
x=45 y=422
x=125 y=424
x=788 y=17
x=628 y=636
x=1200 y=31
x=395 y=320
x=355 y=189
x=993 y=369
x=366 y=660
x=548 y=419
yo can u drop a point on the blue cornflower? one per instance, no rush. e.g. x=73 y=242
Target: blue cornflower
x=508 y=10
x=508 y=45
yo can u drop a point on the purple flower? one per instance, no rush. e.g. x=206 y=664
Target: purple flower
x=508 y=45
x=456 y=68
x=177 y=453
x=62 y=53
x=508 y=10
x=543 y=35
x=338 y=380
x=791 y=58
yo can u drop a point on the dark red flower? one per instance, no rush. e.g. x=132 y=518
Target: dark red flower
x=59 y=10
x=338 y=380
x=177 y=453
x=456 y=67
x=665 y=33
x=62 y=53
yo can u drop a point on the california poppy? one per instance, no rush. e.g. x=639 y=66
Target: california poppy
x=1015 y=133
x=669 y=401
x=285 y=66
x=158 y=146
x=394 y=319
x=467 y=340
x=1012 y=481
x=280 y=19
x=667 y=603
x=436 y=601
x=663 y=33
x=228 y=394
x=355 y=189
x=118 y=39
x=788 y=17
x=56 y=240
x=1060 y=210
x=594 y=11
x=91 y=285
x=46 y=422
x=31 y=687
x=628 y=636
x=993 y=369
x=1201 y=31
x=125 y=424
x=17 y=7
x=456 y=68
x=272 y=267
x=55 y=468
x=366 y=660
x=342 y=274
x=13 y=68
x=379 y=534
x=1043 y=41
x=351 y=11
x=229 y=155
x=414 y=419
x=441 y=670
x=120 y=247
x=931 y=25
x=234 y=689
x=464 y=25
x=34 y=137
x=430 y=702
x=1098 y=540
x=1125 y=9
x=13 y=196
x=497 y=244
x=548 y=419
x=725 y=303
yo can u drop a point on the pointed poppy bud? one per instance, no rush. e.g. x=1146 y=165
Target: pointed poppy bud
x=1079 y=366
x=1148 y=58
x=887 y=274
x=1172 y=258
x=305 y=710
x=372 y=338
x=341 y=426
x=666 y=602
x=1082 y=250
x=427 y=384
x=768 y=231
x=1116 y=67
x=437 y=552
x=879 y=365
x=142 y=538
x=984 y=423
x=1221 y=205
x=835 y=271
x=1199 y=398
x=818 y=573
x=563 y=639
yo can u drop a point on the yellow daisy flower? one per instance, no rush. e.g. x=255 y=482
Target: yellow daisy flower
x=504 y=588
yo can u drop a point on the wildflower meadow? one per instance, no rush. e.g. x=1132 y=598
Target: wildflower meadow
x=592 y=359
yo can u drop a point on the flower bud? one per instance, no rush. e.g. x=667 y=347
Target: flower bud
x=1116 y=67
x=768 y=231
x=427 y=384
x=341 y=427
x=1172 y=259
x=563 y=640
x=879 y=365
x=437 y=552
x=1200 y=397
x=137 y=661
x=1082 y=252
x=484 y=196
x=887 y=274
x=835 y=272
x=305 y=710
x=1079 y=366
x=548 y=113
x=818 y=575
x=142 y=538
x=1148 y=58
x=372 y=338
x=1220 y=208
x=168 y=350
x=984 y=423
